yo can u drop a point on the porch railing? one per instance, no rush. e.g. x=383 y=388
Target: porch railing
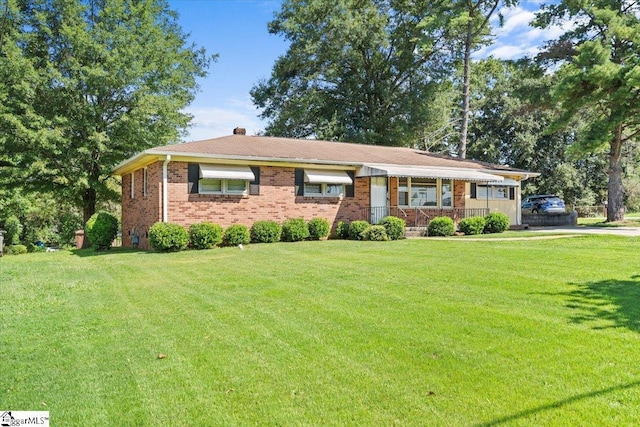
x=419 y=216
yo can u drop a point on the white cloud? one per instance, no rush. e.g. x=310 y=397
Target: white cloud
x=214 y=121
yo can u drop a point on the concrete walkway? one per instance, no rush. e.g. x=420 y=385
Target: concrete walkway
x=616 y=231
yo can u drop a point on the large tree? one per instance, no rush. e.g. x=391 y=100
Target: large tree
x=355 y=70
x=598 y=79
x=106 y=79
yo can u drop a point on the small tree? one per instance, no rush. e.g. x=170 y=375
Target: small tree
x=102 y=229
x=13 y=227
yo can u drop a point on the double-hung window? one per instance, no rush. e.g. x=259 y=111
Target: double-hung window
x=233 y=180
x=325 y=183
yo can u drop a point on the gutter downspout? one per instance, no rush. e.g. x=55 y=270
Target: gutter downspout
x=165 y=190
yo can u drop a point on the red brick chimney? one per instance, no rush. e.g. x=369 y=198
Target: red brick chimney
x=239 y=131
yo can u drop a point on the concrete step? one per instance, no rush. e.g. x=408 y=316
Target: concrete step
x=415 y=231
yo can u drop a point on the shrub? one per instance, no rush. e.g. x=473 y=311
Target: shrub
x=101 y=229
x=496 y=222
x=15 y=249
x=473 y=225
x=13 y=227
x=441 y=226
x=375 y=233
x=393 y=226
x=318 y=228
x=266 y=232
x=294 y=230
x=35 y=248
x=204 y=235
x=168 y=237
x=236 y=235
x=342 y=230
x=356 y=228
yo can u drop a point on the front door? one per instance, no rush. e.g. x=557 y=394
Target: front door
x=379 y=208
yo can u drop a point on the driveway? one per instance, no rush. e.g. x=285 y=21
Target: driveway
x=616 y=231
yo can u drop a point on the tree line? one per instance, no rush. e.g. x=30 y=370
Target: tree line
x=85 y=84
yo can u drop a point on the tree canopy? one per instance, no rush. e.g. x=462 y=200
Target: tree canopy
x=355 y=70
x=598 y=80
x=86 y=84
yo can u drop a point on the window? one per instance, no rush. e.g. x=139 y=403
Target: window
x=144 y=182
x=403 y=191
x=133 y=185
x=322 y=189
x=321 y=183
x=223 y=179
x=446 y=191
x=492 y=192
x=223 y=186
x=424 y=192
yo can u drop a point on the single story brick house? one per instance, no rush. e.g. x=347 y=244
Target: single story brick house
x=240 y=179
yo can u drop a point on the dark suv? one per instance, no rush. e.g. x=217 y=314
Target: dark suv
x=543 y=203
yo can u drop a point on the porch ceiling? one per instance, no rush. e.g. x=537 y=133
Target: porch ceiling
x=428 y=172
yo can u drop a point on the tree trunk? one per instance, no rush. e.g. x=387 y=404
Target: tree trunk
x=615 y=199
x=89 y=198
x=466 y=89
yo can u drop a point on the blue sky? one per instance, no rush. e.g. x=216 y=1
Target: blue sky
x=237 y=31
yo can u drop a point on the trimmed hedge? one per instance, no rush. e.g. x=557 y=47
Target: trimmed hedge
x=342 y=230
x=393 y=226
x=204 y=235
x=266 y=232
x=295 y=230
x=496 y=222
x=237 y=234
x=168 y=237
x=441 y=226
x=318 y=228
x=356 y=228
x=472 y=226
x=375 y=233
x=101 y=229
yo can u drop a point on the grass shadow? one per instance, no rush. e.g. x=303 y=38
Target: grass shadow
x=85 y=253
x=558 y=404
x=606 y=304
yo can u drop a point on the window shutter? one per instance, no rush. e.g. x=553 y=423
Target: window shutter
x=350 y=190
x=512 y=193
x=254 y=186
x=299 y=182
x=194 y=177
x=474 y=190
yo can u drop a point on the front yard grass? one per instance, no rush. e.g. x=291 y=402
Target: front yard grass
x=411 y=332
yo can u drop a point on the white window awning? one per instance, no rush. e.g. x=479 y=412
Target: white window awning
x=226 y=172
x=506 y=182
x=327 y=177
x=428 y=172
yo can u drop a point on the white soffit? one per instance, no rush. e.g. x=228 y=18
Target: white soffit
x=429 y=172
x=327 y=177
x=226 y=172
x=507 y=182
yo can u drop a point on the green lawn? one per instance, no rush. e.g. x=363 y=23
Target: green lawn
x=415 y=332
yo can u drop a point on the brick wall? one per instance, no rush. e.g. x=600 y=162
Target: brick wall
x=277 y=201
x=142 y=211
